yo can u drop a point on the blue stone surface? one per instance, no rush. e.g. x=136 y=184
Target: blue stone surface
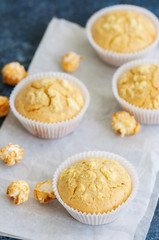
x=22 y=25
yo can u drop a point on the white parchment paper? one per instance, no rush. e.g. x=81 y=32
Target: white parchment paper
x=36 y=221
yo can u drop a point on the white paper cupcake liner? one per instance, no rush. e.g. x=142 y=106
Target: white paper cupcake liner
x=145 y=116
x=115 y=58
x=50 y=130
x=96 y=219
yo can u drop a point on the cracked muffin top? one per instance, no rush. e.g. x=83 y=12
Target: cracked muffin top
x=139 y=86
x=94 y=185
x=123 y=31
x=49 y=100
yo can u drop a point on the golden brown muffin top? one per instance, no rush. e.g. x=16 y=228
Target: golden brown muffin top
x=94 y=185
x=49 y=100
x=123 y=31
x=139 y=86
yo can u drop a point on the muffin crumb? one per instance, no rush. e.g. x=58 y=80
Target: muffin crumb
x=13 y=73
x=70 y=61
x=124 y=123
x=4 y=106
x=43 y=191
x=18 y=191
x=11 y=154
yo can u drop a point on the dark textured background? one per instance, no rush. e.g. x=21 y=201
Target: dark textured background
x=22 y=25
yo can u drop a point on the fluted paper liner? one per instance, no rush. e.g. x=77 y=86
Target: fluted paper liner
x=143 y=115
x=115 y=58
x=96 y=219
x=50 y=130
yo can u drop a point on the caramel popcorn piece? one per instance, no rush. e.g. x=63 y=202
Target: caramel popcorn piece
x=18 y=191
x=124 y=123
x=43 y=191
x=4 y=106
x=13 y=72
x=70 y=61
x=11 y=154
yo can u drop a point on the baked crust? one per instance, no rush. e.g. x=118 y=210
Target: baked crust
x=139 y=86
x=49 y=100
x=94 y=185
x=123 y=31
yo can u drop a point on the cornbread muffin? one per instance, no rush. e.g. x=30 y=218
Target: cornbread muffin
x=43 y=191
x=49 y=100
x=4 y=106
x=124 y=123
x=123 y=31
x=13 y=72
x=94 y=185
x=11 y=154
x=139 y=86
x=70 y=61
x=18 y=191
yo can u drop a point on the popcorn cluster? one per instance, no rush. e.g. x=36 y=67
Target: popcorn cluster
x=124 y=123
x=18 y=191
x=13 y=72
x=11 y=154
x=70 y=61
x=43 y=191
